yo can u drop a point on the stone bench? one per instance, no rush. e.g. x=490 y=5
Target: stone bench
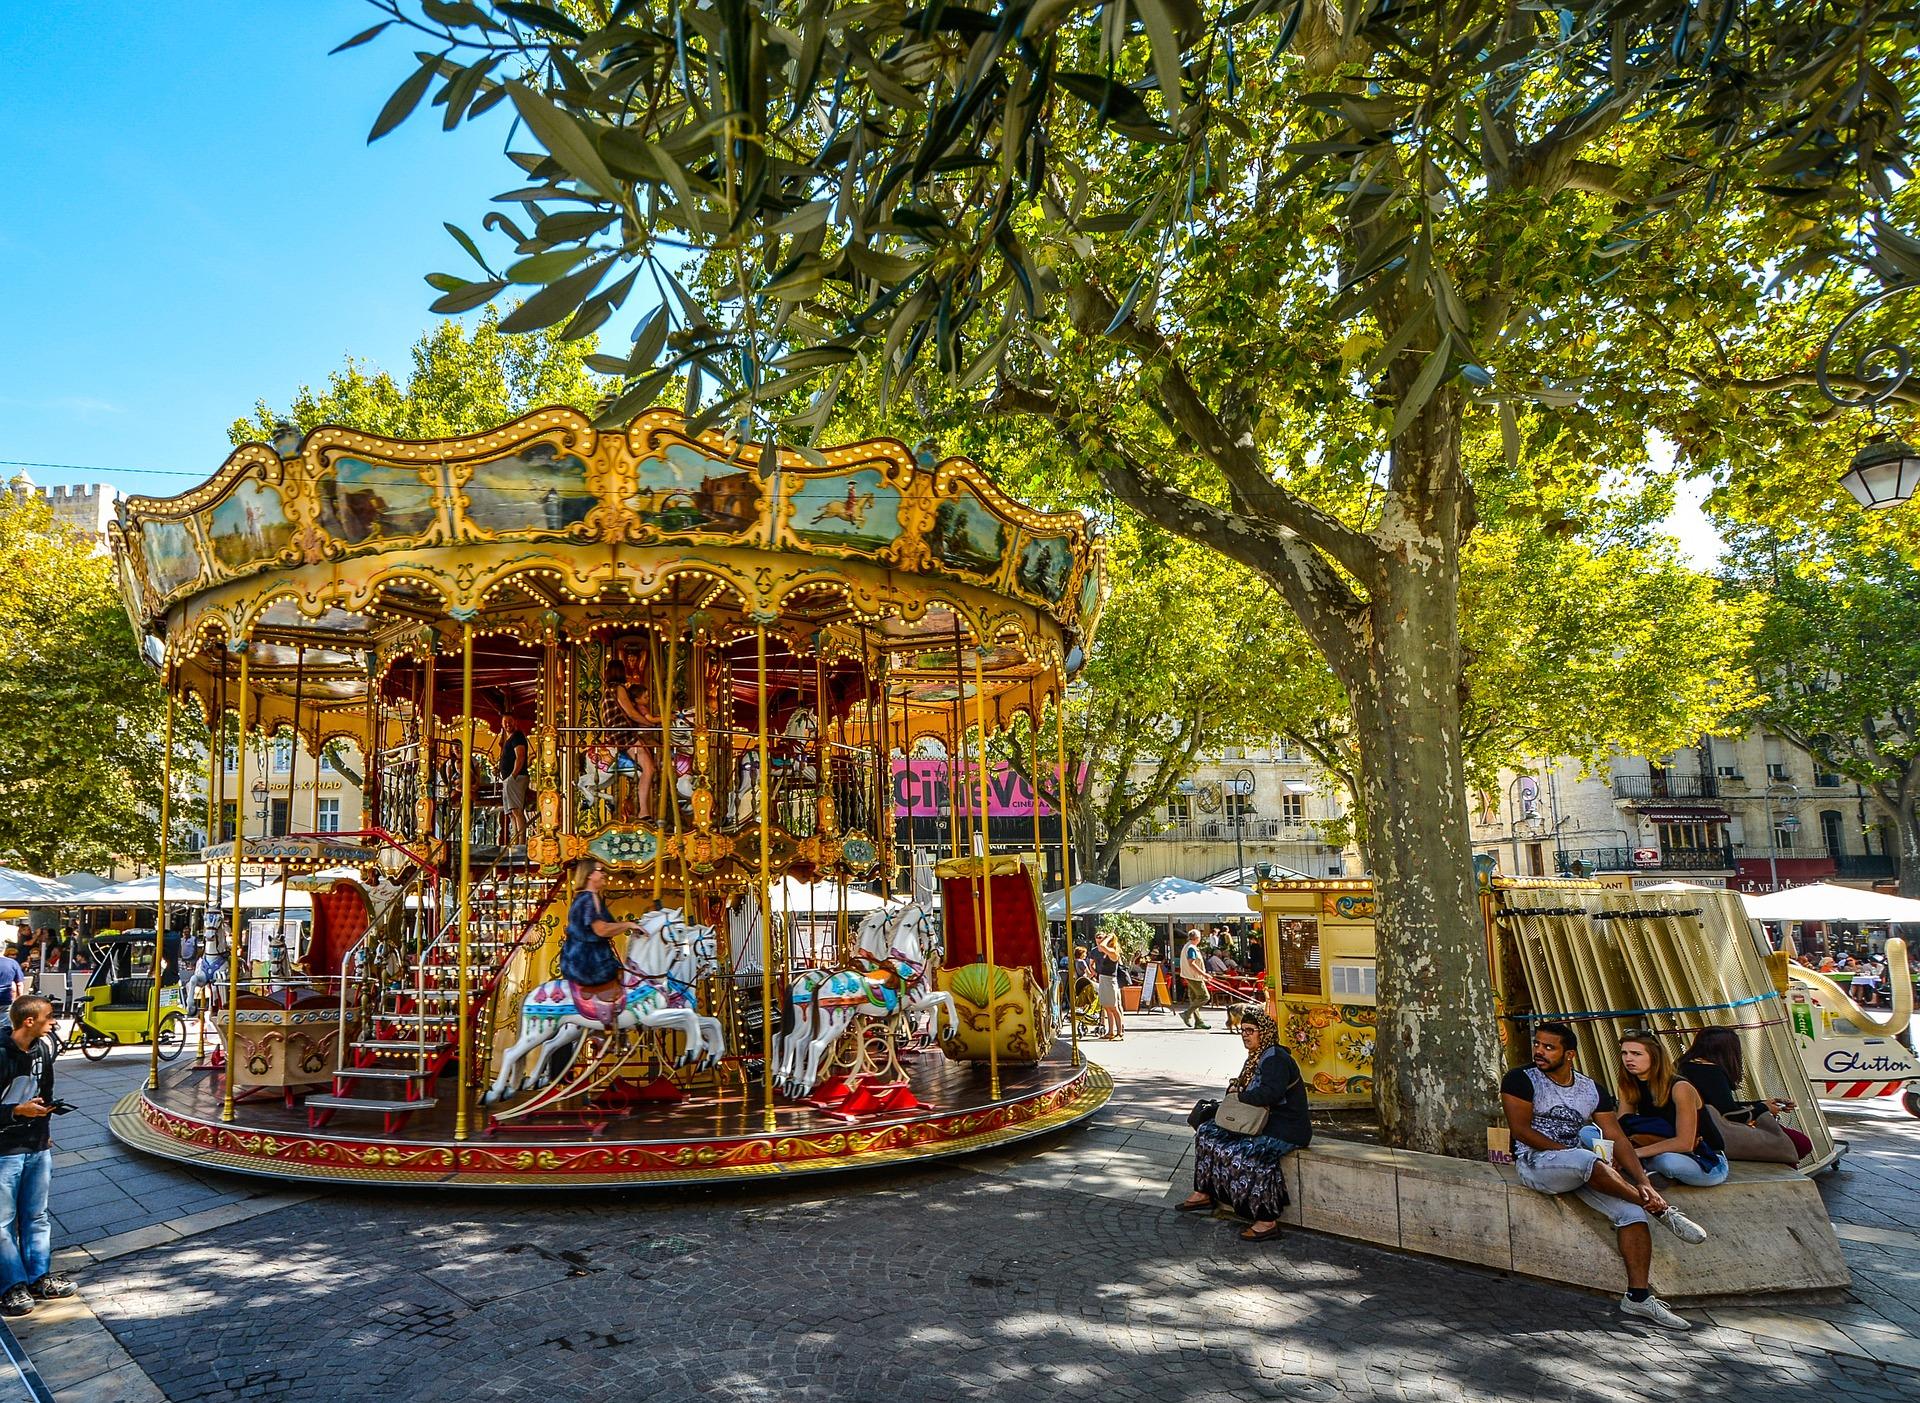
x=1768 y=1230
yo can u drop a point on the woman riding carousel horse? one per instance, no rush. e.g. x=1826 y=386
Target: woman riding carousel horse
x=588 y=960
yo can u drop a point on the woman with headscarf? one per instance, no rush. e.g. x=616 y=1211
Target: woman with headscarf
x=1242 y=1172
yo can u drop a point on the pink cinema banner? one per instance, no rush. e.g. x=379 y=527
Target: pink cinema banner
x=920 y=791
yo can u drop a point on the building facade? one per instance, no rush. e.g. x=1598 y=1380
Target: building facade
x=1753 y=812
x=1248 y=805
x=288 y=790
x=86 y=508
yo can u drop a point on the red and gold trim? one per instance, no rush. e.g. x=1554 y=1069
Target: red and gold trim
x=143 y=1124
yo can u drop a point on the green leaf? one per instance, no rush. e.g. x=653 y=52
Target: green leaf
x=565 y=138
x=1432 y=371
x=554 y=301
x=1156 y=19
x=468 y=296
x=405 y=98
x=362 y=37
x=1510 y=434
x=633 y=400
x=545 y=267
x=540 y=17
x=473 y=250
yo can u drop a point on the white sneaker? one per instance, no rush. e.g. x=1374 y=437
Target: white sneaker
x=1682 y=1227
x=1654 y=1311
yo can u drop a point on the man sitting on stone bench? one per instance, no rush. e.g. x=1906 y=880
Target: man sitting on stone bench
x=1548 y=1107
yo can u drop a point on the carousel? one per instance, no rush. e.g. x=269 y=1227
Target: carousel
x=673 y=669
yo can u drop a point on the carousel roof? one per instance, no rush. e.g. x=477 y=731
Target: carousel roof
x=354 y=550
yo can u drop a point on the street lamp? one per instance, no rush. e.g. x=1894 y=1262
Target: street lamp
x=1885 y=473
x=1773 y=839
x=1241 y=788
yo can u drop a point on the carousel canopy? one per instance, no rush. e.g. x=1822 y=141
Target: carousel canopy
x=1173 y=898
x=1823 y=901
x=325 y=567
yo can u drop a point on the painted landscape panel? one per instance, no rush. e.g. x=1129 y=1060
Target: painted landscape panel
x=540 y=488
x=856 y=510
x=1046 y=566
x=249 y=525
x=173 y=560
x=362 y=501
x=682 y=489
x=967 y=536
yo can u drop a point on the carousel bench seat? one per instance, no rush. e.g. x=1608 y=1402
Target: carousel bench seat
x=127 y=996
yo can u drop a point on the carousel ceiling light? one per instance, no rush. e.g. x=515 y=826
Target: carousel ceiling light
x=1885 y=473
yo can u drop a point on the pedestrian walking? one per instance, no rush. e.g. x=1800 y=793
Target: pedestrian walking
x=1193 y=974
x=26 y=1160
x=1106 y=965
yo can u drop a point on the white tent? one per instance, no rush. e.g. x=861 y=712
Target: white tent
x=1054 y=903
x=1823 y=901
x=25 y=889
x=821 y=899
x=1173 y=899
x=187 y=891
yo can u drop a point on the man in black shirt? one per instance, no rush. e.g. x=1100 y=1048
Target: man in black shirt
x=513 y=782
x=26 y=1160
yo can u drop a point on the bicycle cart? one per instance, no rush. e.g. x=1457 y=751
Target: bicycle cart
x=116 y=1008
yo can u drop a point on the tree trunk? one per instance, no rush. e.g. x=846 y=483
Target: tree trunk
x=1435 y=1061
x=1907 y=827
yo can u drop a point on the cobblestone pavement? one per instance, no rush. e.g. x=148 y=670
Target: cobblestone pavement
x=1057 y=1270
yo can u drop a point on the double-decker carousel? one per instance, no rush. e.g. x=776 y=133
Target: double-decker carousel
x=698 y=663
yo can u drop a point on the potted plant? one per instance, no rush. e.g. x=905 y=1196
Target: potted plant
x=1133 y=936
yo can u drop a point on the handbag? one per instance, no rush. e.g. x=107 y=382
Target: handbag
x=1202 y=1112
x=1759 y=1141
x=1239 y=1117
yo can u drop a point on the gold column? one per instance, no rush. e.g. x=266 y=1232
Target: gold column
x=160 y=902
x=463 y=1032
x=766 y=896
x=236 y=943
x=1066 y=866
x=986 y=880
x=423 y=801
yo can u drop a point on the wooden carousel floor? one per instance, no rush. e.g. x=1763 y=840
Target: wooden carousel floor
x=704 y=1137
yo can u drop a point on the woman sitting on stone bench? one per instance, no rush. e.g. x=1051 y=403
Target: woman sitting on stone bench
x=1715 y=1065
x=1665 y=1118
x=1243 y=1171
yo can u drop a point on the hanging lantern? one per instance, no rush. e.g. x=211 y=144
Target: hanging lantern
x=1885 y=473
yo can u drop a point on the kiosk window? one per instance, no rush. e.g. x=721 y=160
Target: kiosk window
x=1353 y=980
x=1300 y=956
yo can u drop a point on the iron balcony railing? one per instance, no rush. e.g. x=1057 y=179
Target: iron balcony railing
x=1221 y=830
x=1665 y=786
x=1574 y=862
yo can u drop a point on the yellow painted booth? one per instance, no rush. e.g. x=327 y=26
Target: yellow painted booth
x=1320 y=981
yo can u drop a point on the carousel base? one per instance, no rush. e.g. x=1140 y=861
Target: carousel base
x=702 y=1139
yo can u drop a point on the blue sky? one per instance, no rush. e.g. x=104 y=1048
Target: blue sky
x=198 y=222
x=195 y=221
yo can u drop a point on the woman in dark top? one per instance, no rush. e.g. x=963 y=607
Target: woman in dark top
x=1714 y=1066
x=587 y=957
x=1243 y=1171
x=1665 y=1117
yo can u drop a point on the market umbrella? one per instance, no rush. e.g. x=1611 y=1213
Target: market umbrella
x=1172 y=899
x=1823 y=901
x=25 y=889
x=1054 y=903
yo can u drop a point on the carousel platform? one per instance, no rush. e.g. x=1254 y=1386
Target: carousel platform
x=701 y=1139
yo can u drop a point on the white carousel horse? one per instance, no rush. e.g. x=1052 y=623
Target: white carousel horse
x=823 y=1004
x=670 y=955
